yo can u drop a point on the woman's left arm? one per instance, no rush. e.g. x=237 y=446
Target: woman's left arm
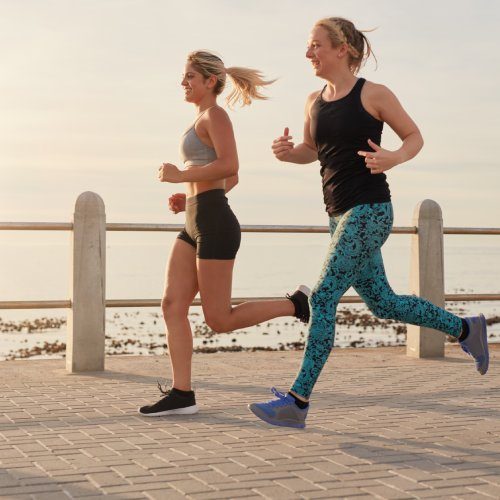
x=220 y=131
x=389 y=109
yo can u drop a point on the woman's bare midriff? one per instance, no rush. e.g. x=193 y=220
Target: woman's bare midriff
x=194 y=188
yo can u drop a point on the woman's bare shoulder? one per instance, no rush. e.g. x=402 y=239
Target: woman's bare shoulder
x=376 y=90
x=313 y=96
x=217 y=113
x=216 y=116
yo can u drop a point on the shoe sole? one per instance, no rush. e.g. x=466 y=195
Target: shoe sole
x=188 y=410
x=278 y=423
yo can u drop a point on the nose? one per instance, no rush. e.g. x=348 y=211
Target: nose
x=309 y=53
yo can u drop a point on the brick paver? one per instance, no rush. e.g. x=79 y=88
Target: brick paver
x=381 y=425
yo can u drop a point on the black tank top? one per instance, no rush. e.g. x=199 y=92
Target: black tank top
x=340 y=129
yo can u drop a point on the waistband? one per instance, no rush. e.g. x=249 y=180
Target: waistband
x=207 y=197
x=374 y=204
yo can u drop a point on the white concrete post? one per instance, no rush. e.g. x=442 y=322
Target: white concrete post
x=427 y=277
x=86 y=320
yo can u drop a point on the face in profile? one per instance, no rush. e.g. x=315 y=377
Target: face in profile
x=320 y=52
x=195 y=85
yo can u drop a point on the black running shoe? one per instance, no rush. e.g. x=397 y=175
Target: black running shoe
x=174 y=403
x=300 y=299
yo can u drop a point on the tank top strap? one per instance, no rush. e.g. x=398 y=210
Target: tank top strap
x=356 y=90
x=200 y=115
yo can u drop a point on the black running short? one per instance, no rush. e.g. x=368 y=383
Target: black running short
x=211 y=226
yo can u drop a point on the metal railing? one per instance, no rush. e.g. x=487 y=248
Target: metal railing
x=143 y=227
x=249 y=228
x=88 y=292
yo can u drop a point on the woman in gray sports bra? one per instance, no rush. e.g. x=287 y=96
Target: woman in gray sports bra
x=202 y=257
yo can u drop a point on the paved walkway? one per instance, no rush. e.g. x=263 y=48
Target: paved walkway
x=381 y=426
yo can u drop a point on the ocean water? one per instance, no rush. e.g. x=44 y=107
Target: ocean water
x=36 y=266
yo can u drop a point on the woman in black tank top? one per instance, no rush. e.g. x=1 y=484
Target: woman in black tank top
x=342 y=129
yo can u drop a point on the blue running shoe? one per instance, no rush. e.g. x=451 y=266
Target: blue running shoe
x=282 y=411
x=476 y=343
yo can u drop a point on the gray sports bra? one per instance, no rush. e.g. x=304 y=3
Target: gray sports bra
x=193 y=151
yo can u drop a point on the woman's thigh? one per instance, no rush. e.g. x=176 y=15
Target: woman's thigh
x=215 y=278
x=357 y=237
x=181 y=279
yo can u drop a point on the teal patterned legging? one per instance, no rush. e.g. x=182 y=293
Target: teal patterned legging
x=354 y=259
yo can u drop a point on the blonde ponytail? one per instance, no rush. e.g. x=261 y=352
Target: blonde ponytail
x=246 y=83
x=245 y=80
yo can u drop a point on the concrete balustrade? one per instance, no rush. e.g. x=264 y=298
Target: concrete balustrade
x=87 y=308
x=427 y=277
x=86 y=325
x=87 y=316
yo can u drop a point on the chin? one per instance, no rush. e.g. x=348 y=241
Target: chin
x=316 y=69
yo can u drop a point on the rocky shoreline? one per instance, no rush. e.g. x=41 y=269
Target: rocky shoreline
x=142 y=333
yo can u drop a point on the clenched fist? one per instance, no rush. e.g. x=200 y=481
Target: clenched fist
x=169 y=173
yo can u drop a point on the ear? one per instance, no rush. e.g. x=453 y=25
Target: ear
x=211 y=81
x=342 y=50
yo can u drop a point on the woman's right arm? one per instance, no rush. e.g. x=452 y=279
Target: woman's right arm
x=230 y=182
x=305 y=152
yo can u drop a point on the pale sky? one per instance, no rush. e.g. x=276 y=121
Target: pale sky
x=90 y=99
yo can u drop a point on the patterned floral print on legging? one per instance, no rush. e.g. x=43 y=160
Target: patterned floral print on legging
x=355 y=259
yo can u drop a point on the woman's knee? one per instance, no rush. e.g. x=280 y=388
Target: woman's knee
x=383 y=309
x=173 y=308
x=217 y=322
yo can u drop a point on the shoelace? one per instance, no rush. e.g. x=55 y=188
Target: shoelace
x=166 y=391
x=281 y=401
